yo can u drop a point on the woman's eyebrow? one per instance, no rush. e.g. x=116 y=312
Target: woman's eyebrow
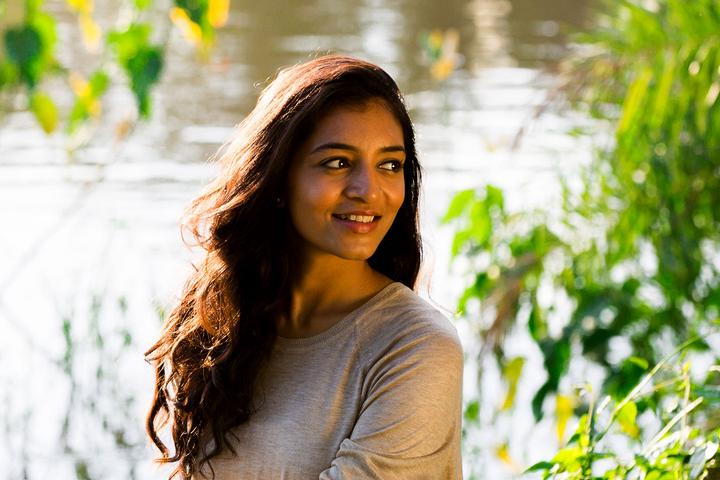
x=345 y=146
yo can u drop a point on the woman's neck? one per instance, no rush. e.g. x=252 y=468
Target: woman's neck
x=329 y=289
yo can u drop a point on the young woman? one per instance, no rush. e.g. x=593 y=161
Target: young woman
x=299 y=349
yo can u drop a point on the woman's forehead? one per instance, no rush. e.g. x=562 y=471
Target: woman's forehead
x=372 y=122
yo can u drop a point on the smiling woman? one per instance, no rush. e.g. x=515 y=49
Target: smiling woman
x=299 y=348
x=346 y=182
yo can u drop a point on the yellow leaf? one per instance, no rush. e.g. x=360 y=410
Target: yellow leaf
x=435 y=39
x=512 y=371
x=94 y=108
x=189 y=29
x=45 y=111
x=626 y=418
x=91 y=32
x=563 y=412
x=79 y=85
x=502 y=452
x=218 y=12
x=442 y=69
x=84 y=7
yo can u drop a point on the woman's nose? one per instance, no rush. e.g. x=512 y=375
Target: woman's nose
x=362 y=185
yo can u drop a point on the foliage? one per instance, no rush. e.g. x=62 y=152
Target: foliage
x=28 y=55
x=633 y=252
x=684 y=448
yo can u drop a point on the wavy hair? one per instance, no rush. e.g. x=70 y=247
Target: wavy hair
x=217 y=339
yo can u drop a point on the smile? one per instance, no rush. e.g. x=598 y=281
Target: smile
x=357 y=218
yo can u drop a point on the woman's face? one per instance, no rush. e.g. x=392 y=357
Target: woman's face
x=346 y=184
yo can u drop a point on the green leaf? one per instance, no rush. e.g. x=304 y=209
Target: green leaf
x=127 y=43
x=538 y=400
x=640 y=362
x=99 y=82
x=634 y=99
x=9 y=74
x=569 y=458
x=44 y=25
x=539 y=466
x=537 y=326
x=144 y=70
x=23 y=46
x=472 y=411
x=459 y=241
x=494 y=197
x=459 y=204
x=480 y=223
x=626 y=417
x=480 y=289
x=45 y=111
x=196 y=10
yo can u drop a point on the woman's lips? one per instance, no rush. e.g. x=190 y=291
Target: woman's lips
x=355 y=226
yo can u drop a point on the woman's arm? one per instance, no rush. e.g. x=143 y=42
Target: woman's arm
x=410 y=422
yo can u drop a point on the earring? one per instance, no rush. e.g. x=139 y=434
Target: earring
x=279 y=203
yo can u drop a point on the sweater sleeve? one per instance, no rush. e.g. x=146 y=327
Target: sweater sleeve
x=409 y=424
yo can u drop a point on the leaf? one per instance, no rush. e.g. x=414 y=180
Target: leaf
x=563 y=412
x=191 y=31
x=23 y=46
x=144 y=70
x=540 y=466
x=480 y=223
x=196 y=10
x=91 y=32
x=502 y=452
x=569 y=458
x=537 y=326
x=640 y=362
x=633 y=100
x=88 y=93
x=218 y=12
x=99 y=82
x=459 y=241
x=45 y=111
x=538 y=400
x=626 y=417
x=81 y=6
x=480 y=290
x=459 y=204
x=128 y=42
x=472 y=411
x=512 y=372
x=494 y=197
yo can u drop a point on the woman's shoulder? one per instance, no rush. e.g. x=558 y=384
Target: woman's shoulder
x=402 y=320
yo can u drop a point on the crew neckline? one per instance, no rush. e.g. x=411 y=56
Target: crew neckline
x=284 y=343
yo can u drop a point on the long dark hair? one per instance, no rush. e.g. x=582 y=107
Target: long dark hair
x=219 y=336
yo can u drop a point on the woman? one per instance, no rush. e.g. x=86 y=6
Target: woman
x=299 y=349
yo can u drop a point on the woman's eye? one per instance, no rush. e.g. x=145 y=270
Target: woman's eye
x=392 y=165
x=335 y=163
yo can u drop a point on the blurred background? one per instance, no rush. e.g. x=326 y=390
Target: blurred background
x=570 y=260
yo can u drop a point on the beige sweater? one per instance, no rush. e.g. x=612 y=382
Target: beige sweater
x=376 y=396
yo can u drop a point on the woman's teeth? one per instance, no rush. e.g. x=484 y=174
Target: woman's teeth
x=358 y=218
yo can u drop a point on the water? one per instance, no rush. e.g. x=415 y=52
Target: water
x=93 y=238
